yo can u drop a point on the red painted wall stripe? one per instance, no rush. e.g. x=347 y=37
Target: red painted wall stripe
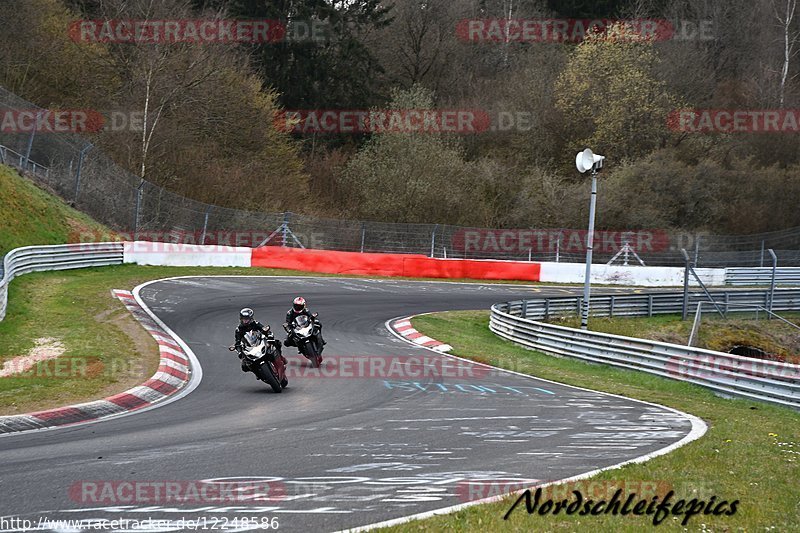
x=418 y=266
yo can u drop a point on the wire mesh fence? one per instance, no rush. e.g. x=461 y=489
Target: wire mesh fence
x=71 y=166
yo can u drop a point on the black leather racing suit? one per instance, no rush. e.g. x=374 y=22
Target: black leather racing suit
x=241 y=329
x=292 y=314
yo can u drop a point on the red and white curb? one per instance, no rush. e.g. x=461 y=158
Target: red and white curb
x=404 y=328
x=173 y=374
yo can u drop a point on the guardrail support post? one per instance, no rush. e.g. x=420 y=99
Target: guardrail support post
x=547 y=308
x=772 y=282
x=433 y=238
x=524 y=309
x=649 y=305
x=363 y=236
x=611 y=311
x=685 y=308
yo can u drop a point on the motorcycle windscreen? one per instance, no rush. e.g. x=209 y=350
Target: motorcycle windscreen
x=252 y=338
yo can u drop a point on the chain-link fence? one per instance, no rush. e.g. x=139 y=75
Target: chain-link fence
x=72 y=167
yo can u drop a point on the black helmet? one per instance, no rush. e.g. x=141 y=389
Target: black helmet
x=246 y=316
x=299 y=304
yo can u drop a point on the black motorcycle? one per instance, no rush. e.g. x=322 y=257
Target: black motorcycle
x=261 y=358
x=304 y=334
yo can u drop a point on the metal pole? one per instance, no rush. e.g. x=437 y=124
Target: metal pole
x=78 y=172
x=589 y=244
x=558 y=247
x=530 y=254
x=285 y=228
x=433 y=238
x=762 y=254
x=696 y=324
x=363 y=235
x=205 y=226
x=685 y=308
x=772 y=283
x=696 y=249
x=30 y=142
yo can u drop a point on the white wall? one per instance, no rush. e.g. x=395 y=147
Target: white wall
x=167 y=254
x=627 y=275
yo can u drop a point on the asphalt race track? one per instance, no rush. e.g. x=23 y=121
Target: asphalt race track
x=348 y=449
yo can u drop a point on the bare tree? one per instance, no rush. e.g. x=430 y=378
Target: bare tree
x=789 y=40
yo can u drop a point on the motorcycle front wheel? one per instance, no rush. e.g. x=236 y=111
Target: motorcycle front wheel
x=313 y=354
x=265 y=373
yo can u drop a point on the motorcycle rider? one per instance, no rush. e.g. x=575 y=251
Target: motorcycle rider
x=247 y=323
x=299 y=308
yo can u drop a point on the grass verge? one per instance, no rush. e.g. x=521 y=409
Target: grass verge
x=751 y=451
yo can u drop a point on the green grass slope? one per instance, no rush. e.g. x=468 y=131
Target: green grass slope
x=30 y=215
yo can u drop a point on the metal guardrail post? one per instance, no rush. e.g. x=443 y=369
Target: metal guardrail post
x=611 y=310
x=363 y=236
x=547 y=308
x=433 y=238
x=524 y=309
x=772 y=282
x=685 y=308
x=649 y=305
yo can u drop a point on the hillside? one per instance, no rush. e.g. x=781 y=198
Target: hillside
x=30 y=215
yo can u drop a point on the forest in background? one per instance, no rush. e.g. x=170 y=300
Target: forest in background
x=210 y=132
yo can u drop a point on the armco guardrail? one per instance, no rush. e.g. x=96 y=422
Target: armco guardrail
x=656 y=303
x=761 y=276
x=726 y=374
x=58 y=257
